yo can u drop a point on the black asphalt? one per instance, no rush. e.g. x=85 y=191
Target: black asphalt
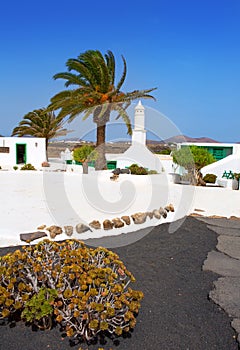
x=176 y=313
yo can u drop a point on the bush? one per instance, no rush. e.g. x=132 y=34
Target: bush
x=28 y=167
x=85 y=290
x=137 y=170
x=15 y=167
x=210 y=178
x=83 y=153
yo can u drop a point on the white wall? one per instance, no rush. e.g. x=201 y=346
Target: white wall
x=35 y=151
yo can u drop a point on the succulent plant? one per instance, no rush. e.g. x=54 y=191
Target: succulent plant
x=83 y=289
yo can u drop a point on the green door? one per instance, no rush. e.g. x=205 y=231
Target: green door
x=21 y=153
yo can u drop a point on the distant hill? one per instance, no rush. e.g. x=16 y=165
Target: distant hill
x=183 y=138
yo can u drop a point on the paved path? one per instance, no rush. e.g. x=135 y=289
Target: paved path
x=225 y=261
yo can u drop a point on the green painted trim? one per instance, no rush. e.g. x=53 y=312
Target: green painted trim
x=25 y=153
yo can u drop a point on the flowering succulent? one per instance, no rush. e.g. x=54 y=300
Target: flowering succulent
x=85 y=290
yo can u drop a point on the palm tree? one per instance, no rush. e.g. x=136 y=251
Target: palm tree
x=40 y=123
x=95 y=93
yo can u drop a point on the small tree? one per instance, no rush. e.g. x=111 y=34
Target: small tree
x=193 y=159
x=85 y=154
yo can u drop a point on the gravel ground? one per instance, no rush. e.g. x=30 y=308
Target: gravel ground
x=176 y=313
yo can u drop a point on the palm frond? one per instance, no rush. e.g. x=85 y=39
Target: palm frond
x=111 y=66
x=88 y=112
x=123 y=114
x=72 y=79
x=123 y=77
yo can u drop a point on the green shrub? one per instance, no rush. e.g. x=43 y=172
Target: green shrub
x=133 y=167
x=137 y=170
x=210 y=178
x=85 y=152
x=28 y=167
x=15 y=167
x=85 y=290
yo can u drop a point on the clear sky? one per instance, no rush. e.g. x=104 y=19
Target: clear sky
x=188 y=49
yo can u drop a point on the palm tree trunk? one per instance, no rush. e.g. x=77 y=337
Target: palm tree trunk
x=47 y=149
x=101 y=162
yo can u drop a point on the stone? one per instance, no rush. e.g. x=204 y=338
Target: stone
x=54 y=231
x=68 y=230
x=114 y=177
x=116 y=171
x=221 y=222
x=222 y=264
x=95 y=224
x=217 y=217
x=126 y=219
x=117 y=223
x=234 y=217
x=196 y=215
x=45 y=164
x=150 y=214
x=229 y=245
x=170 y=208
x=31 y=236
x=107 y=224
x=139 y=218
x=156 y=214
x=42 y=227
x=125 y=171
x=222 y=231
x=163 y=212
x=226 y=294
x=81 y=228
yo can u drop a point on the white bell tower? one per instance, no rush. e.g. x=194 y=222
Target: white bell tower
x=139 y=133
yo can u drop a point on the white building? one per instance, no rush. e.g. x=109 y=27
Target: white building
x=218 y=150
x=227 y=157
x=22 y=150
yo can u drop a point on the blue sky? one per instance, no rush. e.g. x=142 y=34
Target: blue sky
x=188 y=49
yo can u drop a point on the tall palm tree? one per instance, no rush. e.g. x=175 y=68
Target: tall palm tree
x=40 y=123
x=95 y=93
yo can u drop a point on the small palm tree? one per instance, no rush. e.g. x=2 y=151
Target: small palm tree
x=40 y=123
x=95 y=93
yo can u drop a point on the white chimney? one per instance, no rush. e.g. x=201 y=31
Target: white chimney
x=139 y=132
